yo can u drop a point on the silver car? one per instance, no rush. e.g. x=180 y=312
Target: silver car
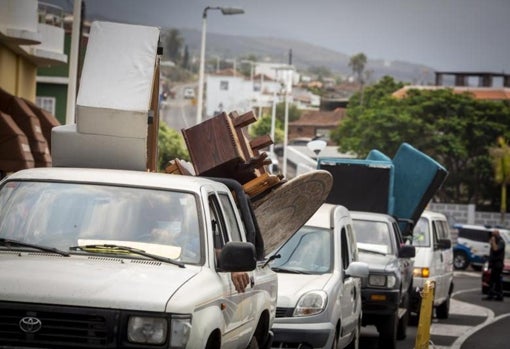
x=319 y=290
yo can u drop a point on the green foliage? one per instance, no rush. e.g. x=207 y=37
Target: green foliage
x=455 y=129
x=263 y=127
x=357 y=64
x=172 y=45
x=170 y=146
x=294 y=112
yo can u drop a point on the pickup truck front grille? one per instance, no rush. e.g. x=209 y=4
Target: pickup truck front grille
x=57 y=326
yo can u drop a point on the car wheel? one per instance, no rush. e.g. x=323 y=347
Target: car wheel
x=460 y=260
x=403 y=321
x=388 y=332
x=254 y=344
x=354 y=344
x=485 y=289
x=334 y=345
x=443 y=309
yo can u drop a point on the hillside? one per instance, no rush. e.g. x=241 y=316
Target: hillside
x=304 y=55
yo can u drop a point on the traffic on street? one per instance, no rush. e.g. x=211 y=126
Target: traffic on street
x=473 y=323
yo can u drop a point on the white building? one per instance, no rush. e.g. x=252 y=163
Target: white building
x=225 y=92
x=236 y=93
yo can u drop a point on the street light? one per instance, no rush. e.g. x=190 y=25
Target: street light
x=224 y=11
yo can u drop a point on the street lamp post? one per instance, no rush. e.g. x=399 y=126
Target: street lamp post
x=224 y=11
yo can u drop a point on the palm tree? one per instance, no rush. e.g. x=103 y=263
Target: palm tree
x=500 y=156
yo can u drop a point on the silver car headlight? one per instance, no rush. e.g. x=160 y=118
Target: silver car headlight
x=147 y=330
x=311 y=303
x=380 y=280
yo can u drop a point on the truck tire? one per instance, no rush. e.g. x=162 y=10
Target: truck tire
x=388 y=332
x=403 y=321
x=460 y=260
x=443 y=309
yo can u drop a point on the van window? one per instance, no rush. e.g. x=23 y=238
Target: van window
x=474 y=234
x=421 y=233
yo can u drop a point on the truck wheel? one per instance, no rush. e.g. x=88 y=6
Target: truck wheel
x=388 y=332
x=403 y=321
x=443 y=310
x=460 y=260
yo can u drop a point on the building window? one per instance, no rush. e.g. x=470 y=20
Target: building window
x=224 y=85
x=46 y=103
x=322 y=133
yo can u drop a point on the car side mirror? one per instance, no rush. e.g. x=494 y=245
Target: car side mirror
x=443 y=244
x=237 y=256
x=357 y=270
x=407 y=251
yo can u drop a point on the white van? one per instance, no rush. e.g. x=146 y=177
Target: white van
x=433 y=261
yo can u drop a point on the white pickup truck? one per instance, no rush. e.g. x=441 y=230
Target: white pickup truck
x=95 y=258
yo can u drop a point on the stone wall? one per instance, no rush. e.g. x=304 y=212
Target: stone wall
x=467 y=214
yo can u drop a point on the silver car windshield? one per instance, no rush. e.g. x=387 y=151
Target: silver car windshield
x=61 y=215
x=308 y=251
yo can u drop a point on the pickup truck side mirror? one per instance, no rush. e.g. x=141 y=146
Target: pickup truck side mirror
x=237 y=256
x=407 y=251
x=443 y=244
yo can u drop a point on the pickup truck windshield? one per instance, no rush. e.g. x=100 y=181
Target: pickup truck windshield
x=373 y=236
x=61 y=215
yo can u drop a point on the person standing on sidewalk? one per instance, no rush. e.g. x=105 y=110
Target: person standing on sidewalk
x=496 y=262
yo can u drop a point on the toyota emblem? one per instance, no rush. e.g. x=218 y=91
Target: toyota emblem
x=30 y=324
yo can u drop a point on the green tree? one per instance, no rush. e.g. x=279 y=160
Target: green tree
x=170 y=146
x=357 y=64
x=454 y=129
x=173 y=45
x=500 y=156
x=263 y=127
x=294 y=112
x=185 y=58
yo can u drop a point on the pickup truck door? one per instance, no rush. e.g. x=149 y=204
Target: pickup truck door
x=239 y=315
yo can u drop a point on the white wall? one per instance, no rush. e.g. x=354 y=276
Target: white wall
x=235 y=98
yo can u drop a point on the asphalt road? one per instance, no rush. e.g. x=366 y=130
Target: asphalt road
x=178 y=112
x=473 y=322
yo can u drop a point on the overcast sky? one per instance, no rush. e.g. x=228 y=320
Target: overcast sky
x=454 y=35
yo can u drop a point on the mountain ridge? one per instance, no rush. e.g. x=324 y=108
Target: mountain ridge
x=304 y=55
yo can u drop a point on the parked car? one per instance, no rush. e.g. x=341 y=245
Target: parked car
x=189 y=93
x=505 y=276
x=319 y=290
x=472 y=247
x=386 y=290
x=433 y=262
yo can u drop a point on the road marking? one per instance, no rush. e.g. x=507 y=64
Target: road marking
x=458 y=307
x=183 y=116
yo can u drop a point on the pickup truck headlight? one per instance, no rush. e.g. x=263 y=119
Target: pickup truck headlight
x=379 y=280
x=311 y=303
x=181 y=328
x=147 y=330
